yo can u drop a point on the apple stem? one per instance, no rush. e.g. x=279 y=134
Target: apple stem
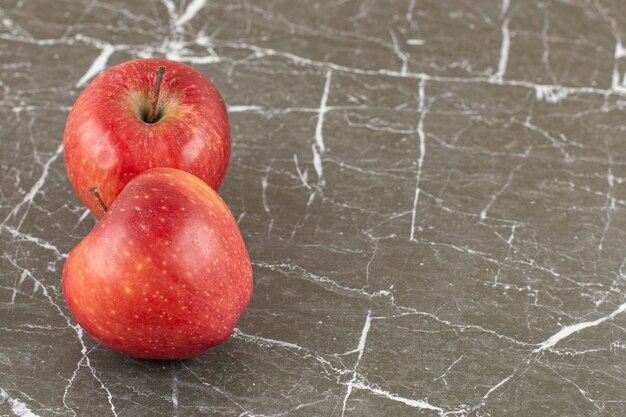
x=152 y=114
x=94 y=192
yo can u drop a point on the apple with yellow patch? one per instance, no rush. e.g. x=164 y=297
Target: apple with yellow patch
x=142 y=114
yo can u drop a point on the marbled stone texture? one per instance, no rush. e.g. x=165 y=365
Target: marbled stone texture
x=433 y=194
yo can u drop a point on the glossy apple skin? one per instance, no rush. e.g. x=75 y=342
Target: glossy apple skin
x=106 y=142
x=165 y=274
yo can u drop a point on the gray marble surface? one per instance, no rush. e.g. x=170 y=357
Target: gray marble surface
x=433 y=194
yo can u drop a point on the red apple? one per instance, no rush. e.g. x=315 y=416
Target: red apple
x=110 y=135
x=165 y=273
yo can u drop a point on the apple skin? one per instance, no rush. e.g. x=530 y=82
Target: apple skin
x=165 y=274
x=107 y=142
